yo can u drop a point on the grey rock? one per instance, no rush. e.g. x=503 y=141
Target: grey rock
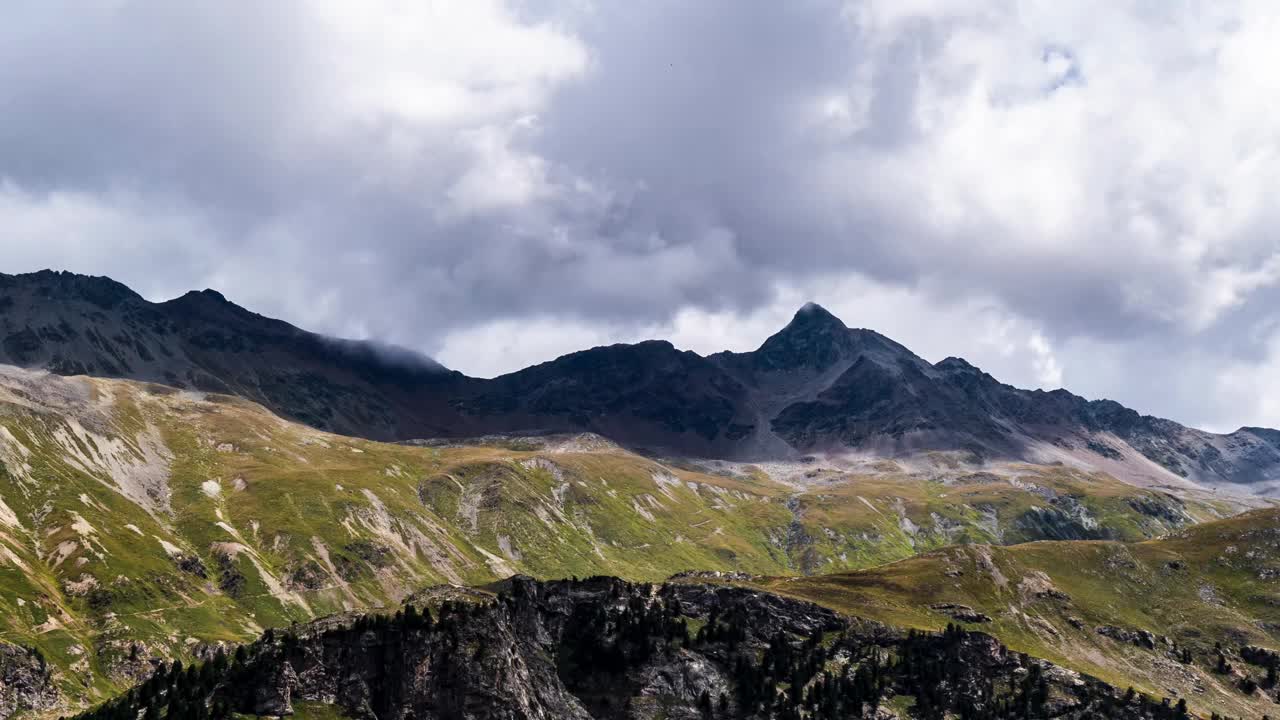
x=1140 y=638
x=25 y=682
x=963 y=613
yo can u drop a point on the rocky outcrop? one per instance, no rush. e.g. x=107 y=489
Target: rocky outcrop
x=606 y=649
x=961 y=613
x=1140 y=638
x=25 y=681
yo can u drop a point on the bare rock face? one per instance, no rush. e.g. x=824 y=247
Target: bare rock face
x=25 y=682
x=126 y=660
x=678 y=683
x=274 y=695
x=1140 y=638
x=963 y=613
x=605 y=649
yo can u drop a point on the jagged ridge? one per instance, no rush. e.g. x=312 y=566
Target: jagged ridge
x=815 y=386
x=607 y=649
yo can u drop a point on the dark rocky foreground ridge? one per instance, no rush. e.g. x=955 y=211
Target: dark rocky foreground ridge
x=815 y=386
x=604 y=648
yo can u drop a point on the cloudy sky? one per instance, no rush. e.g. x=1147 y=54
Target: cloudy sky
x=1078 y=194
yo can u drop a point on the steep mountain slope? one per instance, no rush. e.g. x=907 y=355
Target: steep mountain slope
x=605 y=649
x=648 y=394
x=1155 y=615
x=76 y=325
x=814 y=388
x=140 y=523
x=828 y=388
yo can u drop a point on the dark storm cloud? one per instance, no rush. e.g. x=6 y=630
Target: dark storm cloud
x=184 y=99
x=440 y=174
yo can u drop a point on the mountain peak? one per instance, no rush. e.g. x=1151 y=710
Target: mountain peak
x=811 y=315
x=814 y=338
x=206 y=295
x=811 y=320
x=955 y=364
x=212 y=305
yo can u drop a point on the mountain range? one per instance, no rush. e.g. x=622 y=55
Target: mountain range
x=814 y=387
x=189 y=482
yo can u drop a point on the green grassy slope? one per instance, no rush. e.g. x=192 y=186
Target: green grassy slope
x=137 y=522
x=867 y=520
x=1213 y=583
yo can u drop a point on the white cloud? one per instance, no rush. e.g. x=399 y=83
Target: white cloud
x=102 y=235
x=1073 y=193
x=498 y=177
x=1249 y=385
x=1147 y=172
x=1048 y=372
x=460 y=64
